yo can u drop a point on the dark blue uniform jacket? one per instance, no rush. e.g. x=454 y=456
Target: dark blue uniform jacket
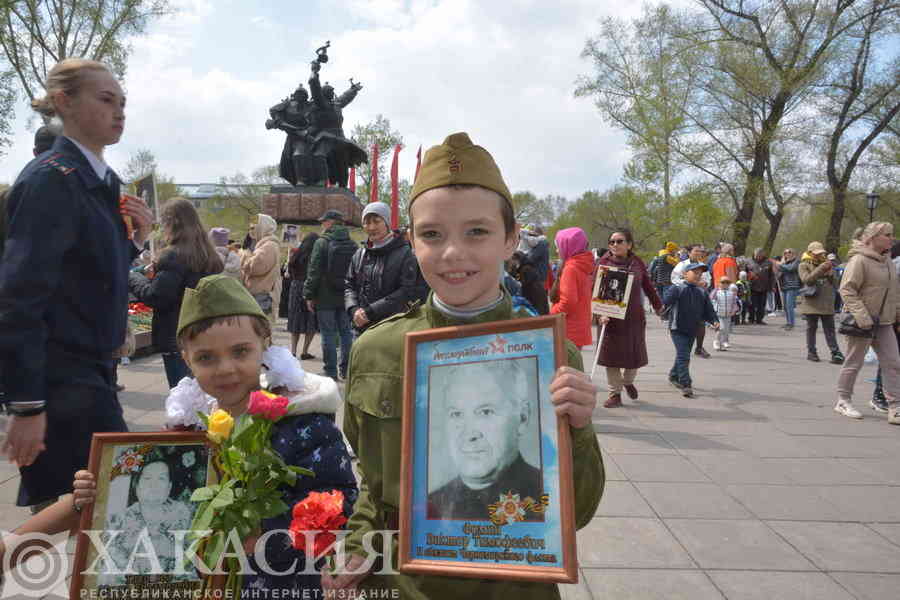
x=63 y=276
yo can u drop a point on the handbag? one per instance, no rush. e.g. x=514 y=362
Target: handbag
x=848 y=325
x=809 y=291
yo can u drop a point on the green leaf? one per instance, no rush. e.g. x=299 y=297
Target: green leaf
x=224 y=498
x=204 y=418
x=203 y=517
x=269 y=508
x=214 y=549
x=301 y=471
x=205 y=493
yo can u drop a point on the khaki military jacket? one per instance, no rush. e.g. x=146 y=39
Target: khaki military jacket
x=372 y=424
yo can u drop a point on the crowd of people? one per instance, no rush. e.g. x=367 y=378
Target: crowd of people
x=464 y=260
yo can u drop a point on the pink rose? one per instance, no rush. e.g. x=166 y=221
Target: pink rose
x=267 y=405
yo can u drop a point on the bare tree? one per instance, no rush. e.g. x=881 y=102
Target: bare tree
x=795 y=39
x=36 y=34
x=862 y=101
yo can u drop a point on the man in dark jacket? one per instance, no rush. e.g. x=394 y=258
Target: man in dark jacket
x=324 y=290
x=383 y=277
x=762 y=281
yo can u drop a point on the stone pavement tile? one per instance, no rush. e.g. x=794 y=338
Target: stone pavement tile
x=621 y=499
x=756 y=585
x=7 y=470
x=840 y=546
x=641 y=584
x=784 y=502
x=786 y=410
x=774 y=444
x=658 y=467
x=692 y=501
x=865 y=503
x=889 y=530
x=575 y=591
x=636 y=443
x=628 y=542
x=869 y=586
x=825 y=471
x=736 y=545
x=694 y=443
x=612 y=470
x=687 y=424
x=11 y=516
x=608 y=421
x=869 y=446
x=9 y=491
x=885 y=468
x=154 y=418
x=837 y=425
x=739 y=468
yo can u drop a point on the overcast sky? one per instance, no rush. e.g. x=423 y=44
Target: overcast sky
x=200 y=84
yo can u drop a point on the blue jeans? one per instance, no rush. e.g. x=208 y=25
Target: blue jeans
x=176 y=368
x=334 y=322
x=683 y=344
x=790 y=303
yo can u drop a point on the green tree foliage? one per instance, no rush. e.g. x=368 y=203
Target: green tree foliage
x=541 y=211
x=366 y=136
x=37 y=34
x=641 y=83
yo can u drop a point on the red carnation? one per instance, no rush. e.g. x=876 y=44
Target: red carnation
x=266 y=405
x=319 y=511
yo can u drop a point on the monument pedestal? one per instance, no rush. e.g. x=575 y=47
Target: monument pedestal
x=305 y=204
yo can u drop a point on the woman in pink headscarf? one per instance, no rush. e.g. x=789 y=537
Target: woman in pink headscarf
x=574 y=299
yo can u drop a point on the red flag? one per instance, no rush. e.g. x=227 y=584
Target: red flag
x=373 y=182
x=353 y=179
x=418 y=162
x=395 y=190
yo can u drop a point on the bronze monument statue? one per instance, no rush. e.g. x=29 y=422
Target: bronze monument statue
x=316 y=150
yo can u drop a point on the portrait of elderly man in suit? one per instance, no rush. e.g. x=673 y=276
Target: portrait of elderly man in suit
x=483 y=416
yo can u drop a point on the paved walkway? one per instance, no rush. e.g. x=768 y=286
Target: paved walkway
x=755 y=489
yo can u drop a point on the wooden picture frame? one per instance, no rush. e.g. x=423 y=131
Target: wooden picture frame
x=446 y=526
x=128 y=479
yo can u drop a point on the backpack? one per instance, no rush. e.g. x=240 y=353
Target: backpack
x=340 y=252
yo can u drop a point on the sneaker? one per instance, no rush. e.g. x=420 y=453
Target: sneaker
x=687 y=392
x=813 y=357
x=879 y=402
x=632 y=391
x=788 y=327
x=702 y=353
x=675 y=383
x=307 y=356
x=726 y=345
x=120 y=387
x=724 y=348
x=716 y=345
x=614 y=400
x=894 y=415
x=843 y=407
x=837 y=358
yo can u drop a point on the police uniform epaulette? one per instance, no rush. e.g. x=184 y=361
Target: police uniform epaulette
x=415 y=306
x=53 y=162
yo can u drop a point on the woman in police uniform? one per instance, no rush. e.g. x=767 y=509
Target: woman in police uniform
x=64 y=284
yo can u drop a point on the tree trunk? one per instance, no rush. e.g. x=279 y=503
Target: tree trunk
x=774 y=225
x=839 y=204
x=743 y=220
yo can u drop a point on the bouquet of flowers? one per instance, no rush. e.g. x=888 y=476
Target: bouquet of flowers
x=250 y=474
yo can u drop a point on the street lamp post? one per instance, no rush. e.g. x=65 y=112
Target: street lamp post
x=872 y=203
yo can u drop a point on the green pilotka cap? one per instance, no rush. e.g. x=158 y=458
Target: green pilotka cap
x=216 y=296
x=457 y=161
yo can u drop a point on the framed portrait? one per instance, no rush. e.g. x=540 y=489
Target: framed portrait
x=486 y=484
x=289 y=235
x=141 y=515
x=612 y=290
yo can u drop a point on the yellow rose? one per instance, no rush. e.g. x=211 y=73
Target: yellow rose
x=220 y=425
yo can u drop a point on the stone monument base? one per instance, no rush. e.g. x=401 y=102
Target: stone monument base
x=305 y=204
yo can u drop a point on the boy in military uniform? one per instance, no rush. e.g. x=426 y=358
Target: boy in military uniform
x=462 y=229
